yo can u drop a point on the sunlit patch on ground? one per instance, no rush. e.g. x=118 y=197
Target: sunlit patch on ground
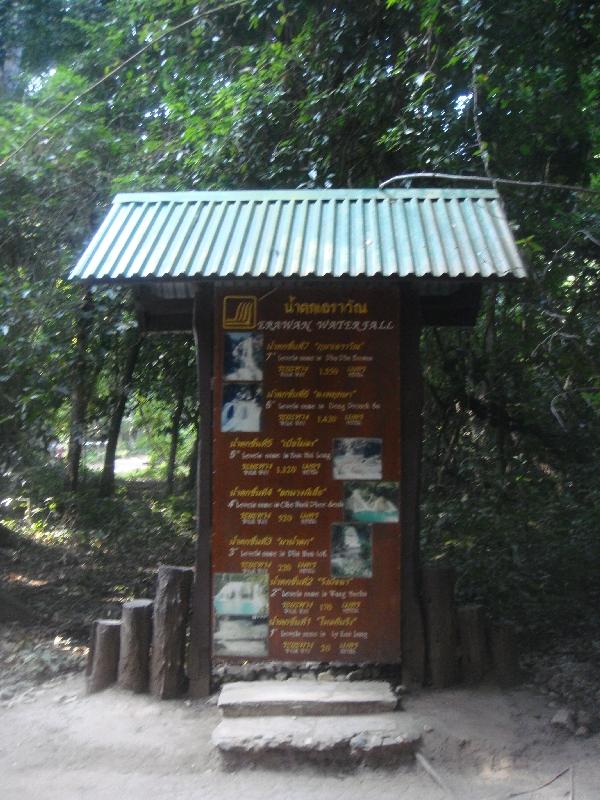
x=14 y=577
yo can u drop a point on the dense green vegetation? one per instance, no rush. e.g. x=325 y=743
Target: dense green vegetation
x=288 y=93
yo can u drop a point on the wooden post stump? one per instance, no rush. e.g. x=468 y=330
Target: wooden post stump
x=505 y=654
x=103 y=663
x=134 y=658
x=440 y=615
x=471 y=632
x=171 y=606
x=91 y=648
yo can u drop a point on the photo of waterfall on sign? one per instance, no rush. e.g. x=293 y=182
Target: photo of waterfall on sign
x=243 y=357
x=357 y=458
x=241 y=613
x=241 y=408
x=351 y=549
x=371 y=501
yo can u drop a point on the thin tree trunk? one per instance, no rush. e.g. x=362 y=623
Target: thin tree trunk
x=79 y=395
x=193 y=464
x=107 y=481
x=10 y=71
x=175 y=427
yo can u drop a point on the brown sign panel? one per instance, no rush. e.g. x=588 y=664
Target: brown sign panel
x=306 y=542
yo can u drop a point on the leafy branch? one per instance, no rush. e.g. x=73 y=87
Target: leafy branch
x=189 y=21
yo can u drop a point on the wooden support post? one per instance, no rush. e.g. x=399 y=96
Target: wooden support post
x=440 y=614
x=171 y=608
x=134 y=658
x=471 y=632
x=413 y=635
x=104 y=655
x=199 y=662
x=505 y=654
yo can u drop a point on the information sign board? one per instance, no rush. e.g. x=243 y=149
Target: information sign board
x=306 y=511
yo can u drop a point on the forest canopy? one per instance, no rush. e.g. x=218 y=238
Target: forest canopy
x=102 y=96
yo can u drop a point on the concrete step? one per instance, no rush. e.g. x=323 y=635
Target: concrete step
x=296 y=697
x=386 y=739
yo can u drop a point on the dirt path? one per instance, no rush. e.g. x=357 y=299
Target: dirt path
x=59 y=744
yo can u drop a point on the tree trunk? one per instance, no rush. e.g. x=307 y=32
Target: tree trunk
x=171 y=607
x=104 y=655
x=107 y=481
x=79 y=395
x=175 y=427
x=136 y=633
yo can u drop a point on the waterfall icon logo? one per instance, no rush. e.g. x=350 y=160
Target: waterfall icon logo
x=239 y=312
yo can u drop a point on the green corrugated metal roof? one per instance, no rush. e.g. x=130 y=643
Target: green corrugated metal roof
x=367 y=232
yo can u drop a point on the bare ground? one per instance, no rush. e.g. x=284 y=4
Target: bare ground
x=56 y=743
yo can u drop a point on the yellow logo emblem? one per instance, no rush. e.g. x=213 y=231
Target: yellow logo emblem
x=239 y=312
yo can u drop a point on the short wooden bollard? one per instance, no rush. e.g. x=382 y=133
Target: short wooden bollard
x=471 y=633
x=91 y=647
x=440 y=616
x=505 y=654
x=103 y=663
x=134 y=658
x=171 y=607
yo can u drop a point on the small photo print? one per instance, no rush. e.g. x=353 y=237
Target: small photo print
x=243 y=357
x=351 y=550
x=371 y=501
x=241 y=613
x=241 y=408
x=357 y=458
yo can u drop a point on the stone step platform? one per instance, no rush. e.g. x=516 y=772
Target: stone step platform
x=297 y=697
x=386 y=739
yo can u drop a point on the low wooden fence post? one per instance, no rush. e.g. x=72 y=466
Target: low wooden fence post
x=134 y=658
x=103 y=663
x=171 y=607
x=440 y=616
x=505 y=654
x=471 y=632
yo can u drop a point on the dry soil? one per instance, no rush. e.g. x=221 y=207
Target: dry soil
x=57 y=743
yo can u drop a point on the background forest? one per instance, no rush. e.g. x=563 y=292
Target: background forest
x=101 y=96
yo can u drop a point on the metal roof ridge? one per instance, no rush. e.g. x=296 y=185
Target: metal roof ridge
x=302 y=194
